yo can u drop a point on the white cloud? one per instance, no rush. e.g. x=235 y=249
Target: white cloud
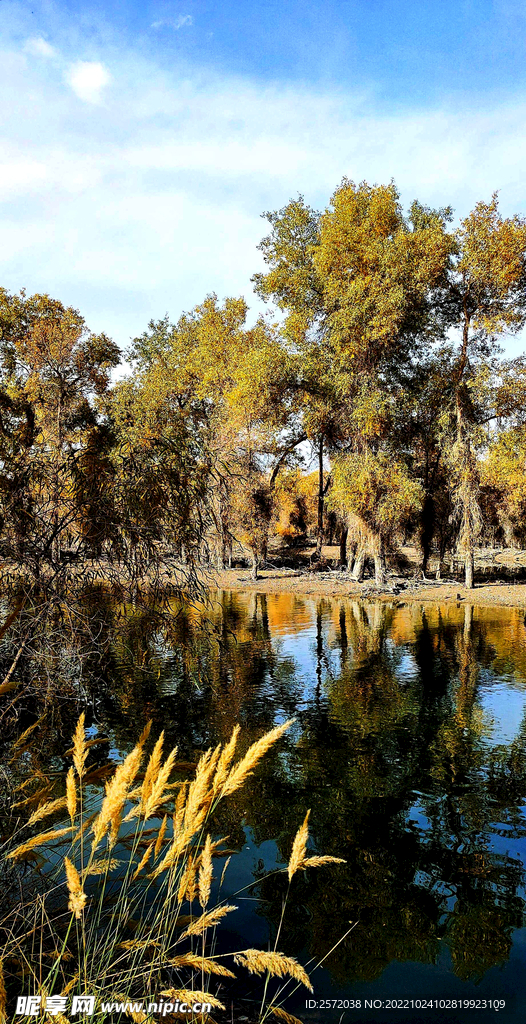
x=19 y=175
x=157 y=200
x=179 y=22
x=38 y=47
x=88 y=79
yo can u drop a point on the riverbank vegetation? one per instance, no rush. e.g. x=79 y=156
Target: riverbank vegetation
x=129 y=901
x=379 y=358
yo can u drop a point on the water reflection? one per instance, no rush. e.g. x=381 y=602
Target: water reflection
x=397 y=750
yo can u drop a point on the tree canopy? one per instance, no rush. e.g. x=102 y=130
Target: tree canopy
x=380 y=364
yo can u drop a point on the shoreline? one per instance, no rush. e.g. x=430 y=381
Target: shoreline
x=399 y=590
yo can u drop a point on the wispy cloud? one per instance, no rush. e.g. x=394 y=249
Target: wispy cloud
x=88 y=79
x=157 y=199
x=176 y=23
x=39 y=47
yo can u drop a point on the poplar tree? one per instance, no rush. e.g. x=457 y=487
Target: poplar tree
x=53 y=371
x=380 y=272
x=485 y=299
x=294 y=285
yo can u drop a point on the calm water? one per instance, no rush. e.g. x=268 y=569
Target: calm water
x=410 y=750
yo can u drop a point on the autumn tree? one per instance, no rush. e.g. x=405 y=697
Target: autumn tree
x=503 y=467
x=485 y=299
x=232 y=383
x=53 y=371
x=294 y=285
x=377 y=497
x=157 y=487
x=380 y=272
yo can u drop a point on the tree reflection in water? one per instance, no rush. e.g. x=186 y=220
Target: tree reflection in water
x=392 y=752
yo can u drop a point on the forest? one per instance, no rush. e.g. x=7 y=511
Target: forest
x=379 y=361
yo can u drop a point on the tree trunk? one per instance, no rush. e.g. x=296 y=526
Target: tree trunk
x=222 y=552
x=321 y=498
x=379 y=565
x=426 y=532
x=343 y=547
x=470 y=568
x=359 y=566
x=254 y=573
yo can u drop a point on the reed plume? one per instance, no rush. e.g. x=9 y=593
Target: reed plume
x=179 y=809
x=298 y=861
x=44 y=837
x=187 y=884
x=246 y=765
x=186 y=995
x=71 y=983
x=36 y=798
x=192 y=806
x=318 y=862
x=299 y=848
x=71 y=794
x=46 y=809
x=225 y=760
x=201 y=963
x=77 y=896
x=102 y=866
x=205 y=873
x=86 y=824
x=288 y=1018
x=205 y=921
x=152 y=769
x=160 y=837
x=140 y=944
x=144 y=860
x=25 y=735
x=198 y=790
x=158 y=791
x=277 y=964
x=80 y=749
x=223 y=873
x=137 y=1015
x=145 y=734
x=117 y=789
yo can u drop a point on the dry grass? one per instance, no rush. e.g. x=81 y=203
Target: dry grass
x=281 y=1014
x=185 y=995
x=298 y=860
x=80 y=749
x=299 y=848
x=71 y=795
x=241 y=771
x=276 y=964
x=169 y=872
x=77 y=896
x=3 y=994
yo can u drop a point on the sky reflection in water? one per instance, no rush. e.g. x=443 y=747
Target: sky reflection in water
x=410 y=749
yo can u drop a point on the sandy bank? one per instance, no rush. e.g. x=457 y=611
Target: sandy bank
x=274 y=581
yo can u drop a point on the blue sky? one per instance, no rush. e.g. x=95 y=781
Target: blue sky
x=141 y=141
